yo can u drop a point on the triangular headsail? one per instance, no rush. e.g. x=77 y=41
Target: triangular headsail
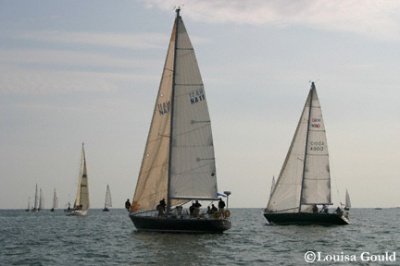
x=178 y=163
x=305 y=176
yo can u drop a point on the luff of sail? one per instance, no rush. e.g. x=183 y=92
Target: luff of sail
x=305 y=175
x=82 y=195
x=178 y=163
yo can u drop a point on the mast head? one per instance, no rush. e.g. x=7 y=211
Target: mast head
x=178 y=10
x=312 y=85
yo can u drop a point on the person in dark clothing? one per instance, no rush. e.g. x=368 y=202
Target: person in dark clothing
x=191 y=209
x=314 y=208
x=221 y=205
x=197 y=204
x=196 y=209
x=127 y=204
x=163 y=204
x=213 y=208
x=161 y=207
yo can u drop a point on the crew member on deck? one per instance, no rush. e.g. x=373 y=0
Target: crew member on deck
x=221 y=205
x=127 y=204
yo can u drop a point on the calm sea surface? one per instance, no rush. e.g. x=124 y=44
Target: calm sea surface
x=111 y=239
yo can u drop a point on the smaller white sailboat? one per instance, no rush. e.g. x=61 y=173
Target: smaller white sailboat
x=81 y=204
x=55 y=201
x=305 y=181
x=107 y=201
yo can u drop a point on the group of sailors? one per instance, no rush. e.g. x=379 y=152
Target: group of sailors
x=194 y=210
x=339 y=211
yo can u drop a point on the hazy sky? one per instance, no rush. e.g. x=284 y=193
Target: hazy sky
x=88 y=71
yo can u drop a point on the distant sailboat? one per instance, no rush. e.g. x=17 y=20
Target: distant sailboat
x=36 y=201
x=178 y=165
x=55 y=201
x=304 y=181
x=81 y=204
x=41 y=201
x=29 y=205
x=107 y=201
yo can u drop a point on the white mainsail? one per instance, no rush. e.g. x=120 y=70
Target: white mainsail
x=178 y=163
x=107 y=201
x=305 y=176
x=82 y=195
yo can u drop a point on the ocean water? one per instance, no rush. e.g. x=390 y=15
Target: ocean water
x=47 y=238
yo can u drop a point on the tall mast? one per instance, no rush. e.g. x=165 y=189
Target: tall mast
x=172 y=109
x=306 y=145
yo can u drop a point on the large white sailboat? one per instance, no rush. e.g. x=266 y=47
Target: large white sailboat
x=81 y=204
x=304 y=182
x=178 y=164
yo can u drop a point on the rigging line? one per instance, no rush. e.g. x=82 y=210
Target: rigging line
x=192 y=130
x=191 y=170
x=316 y=178
x=193 y=146
x=189 y=84
x=199 y=121
x=189 y=49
